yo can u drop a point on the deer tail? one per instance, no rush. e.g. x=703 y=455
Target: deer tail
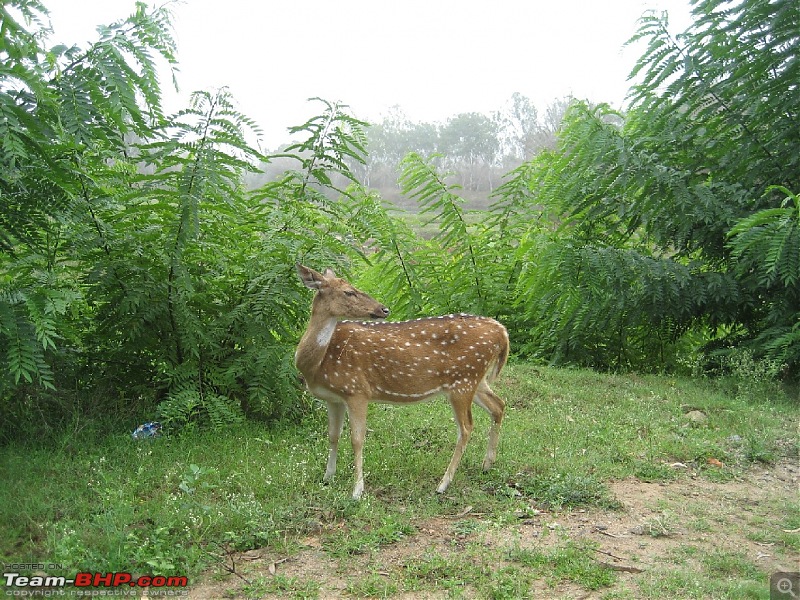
x=501 y=359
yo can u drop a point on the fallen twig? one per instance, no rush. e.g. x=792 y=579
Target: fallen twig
x=273 y=566
x=232 y=568
x=624 y=568
x=609 y=554
x=462 y=514
x=609 y=534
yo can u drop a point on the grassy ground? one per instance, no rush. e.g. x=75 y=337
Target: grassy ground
x=197 y=503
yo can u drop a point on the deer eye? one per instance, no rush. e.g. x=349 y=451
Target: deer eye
x=351 y=293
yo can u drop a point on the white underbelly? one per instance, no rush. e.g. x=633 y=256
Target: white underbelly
x=382 y=397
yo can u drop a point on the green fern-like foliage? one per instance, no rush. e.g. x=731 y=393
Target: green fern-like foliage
x=136 y=267
x=161 y=284
x=454 y=270
x=766 y=246
x=392 y=248
x=334 y=138
x=303 y=205
x=767 y=243
x=303 y=216
x=64 y=115
x=612 y=308
x=669 y=201
x=725 y=85
x=730 y=107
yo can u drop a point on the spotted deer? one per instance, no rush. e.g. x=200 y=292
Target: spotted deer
x=350 y=363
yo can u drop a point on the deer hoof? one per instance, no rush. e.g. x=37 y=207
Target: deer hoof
x=358 y=491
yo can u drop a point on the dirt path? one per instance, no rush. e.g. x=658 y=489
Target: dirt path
x=660 y=526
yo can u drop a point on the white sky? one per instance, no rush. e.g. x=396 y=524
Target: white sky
x=434 y=58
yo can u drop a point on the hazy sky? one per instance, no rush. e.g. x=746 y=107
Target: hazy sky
x=434 y=59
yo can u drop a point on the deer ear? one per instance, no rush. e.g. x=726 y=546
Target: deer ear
x=310 y=278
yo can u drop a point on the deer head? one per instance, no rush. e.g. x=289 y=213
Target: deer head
x=351 y=363
x=340 y=299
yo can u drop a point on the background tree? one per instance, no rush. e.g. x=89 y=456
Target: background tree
x=519 y=124
x=390 y=140
x=655 y=204
x=474 y=147
x=470 y=144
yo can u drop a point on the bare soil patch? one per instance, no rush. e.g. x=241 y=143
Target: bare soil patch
x=660 y=526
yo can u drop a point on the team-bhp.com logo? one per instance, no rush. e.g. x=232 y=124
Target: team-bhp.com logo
x=93 y=580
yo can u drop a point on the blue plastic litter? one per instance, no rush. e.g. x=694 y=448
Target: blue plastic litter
x=148 y=430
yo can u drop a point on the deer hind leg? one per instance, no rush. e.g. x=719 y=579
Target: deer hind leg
x=462 y=411
x=494 y=405
x=357 y=413
x=335 y=424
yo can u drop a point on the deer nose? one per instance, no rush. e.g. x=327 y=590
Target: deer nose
x=381 y=313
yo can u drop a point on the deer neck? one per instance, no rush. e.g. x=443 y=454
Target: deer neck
x=314 y=344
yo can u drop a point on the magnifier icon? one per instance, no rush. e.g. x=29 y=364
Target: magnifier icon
x=785 y=586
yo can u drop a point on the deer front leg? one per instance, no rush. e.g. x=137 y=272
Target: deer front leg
x=335 y=425
x=357 y=413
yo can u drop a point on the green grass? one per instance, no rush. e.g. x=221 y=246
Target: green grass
x=716 y=574
x=566 y=562
x=167 y=506
x=285 y=587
